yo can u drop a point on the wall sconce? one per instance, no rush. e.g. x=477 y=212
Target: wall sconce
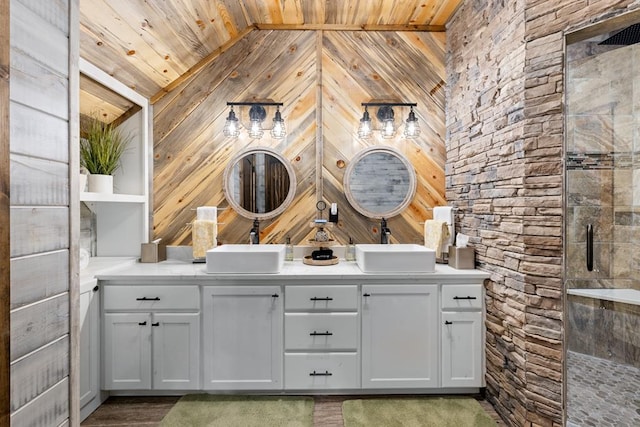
x=257 y=114
x=385 y=116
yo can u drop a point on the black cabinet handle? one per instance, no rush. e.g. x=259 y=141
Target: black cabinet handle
x=316 y=334
x=446 y=322
x=366 y=295
x=589 y=247
x=275 y=296
x=95 y=288
x=142 y=323
x=321 y=299
x=155 y=324
x=465 y=298
x=320 y=374
x=148 y=299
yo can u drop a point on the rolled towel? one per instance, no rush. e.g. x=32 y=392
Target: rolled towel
x=436 y=234
x=204 y=234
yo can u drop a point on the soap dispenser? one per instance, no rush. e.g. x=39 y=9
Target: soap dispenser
x=288 y=254
x=350 y=251
x=333 y=213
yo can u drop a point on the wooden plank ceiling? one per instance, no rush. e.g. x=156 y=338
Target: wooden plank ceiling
x=150 y=44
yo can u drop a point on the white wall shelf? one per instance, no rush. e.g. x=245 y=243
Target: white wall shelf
x=122 y=219
x=86 y=196
x=626 y=296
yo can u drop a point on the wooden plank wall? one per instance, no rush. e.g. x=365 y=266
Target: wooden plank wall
x=321 y=77
x=39 y=208
x=4 y=215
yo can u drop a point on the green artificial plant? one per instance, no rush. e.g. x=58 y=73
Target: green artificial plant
x=101 y=147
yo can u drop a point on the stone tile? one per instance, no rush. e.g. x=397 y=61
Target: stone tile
x=601 y=392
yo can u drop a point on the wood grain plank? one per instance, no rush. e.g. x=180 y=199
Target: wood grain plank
x=30 y=284
x=128 y=38
x=38 y=182
x=351 y=27
x=194 y=91
x=96 y=51
x=38 y=229
x=5 y=223
x=35 y=85
x=39 y=324
x=56 y=12
x=48 y=45
x=51 y=408
x=73 y=145
x=37 y=134
x=38 y=371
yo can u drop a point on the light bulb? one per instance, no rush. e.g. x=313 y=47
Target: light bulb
x=231 y=125
x=364 y=130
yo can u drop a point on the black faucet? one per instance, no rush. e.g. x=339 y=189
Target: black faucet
x=385 y=232
x=254 y=234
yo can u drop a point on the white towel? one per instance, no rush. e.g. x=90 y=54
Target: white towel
x=207 y=213
x=436 y=234
x=445 y=213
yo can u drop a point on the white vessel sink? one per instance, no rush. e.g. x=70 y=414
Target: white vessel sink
x=245 y=259
x=400 y=258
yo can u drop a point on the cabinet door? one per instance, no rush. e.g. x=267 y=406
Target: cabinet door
x=399 y=336
x=89 y=346
x=242 y=334
x=127 y=352
x=462 y=349
x=176 y=351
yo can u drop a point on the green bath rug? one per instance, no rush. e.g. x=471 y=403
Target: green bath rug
x=204 y=410
x=415 y=412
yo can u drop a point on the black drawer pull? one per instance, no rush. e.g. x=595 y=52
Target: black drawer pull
x=275 y=296
x=148 y=299
x=465 y=298
x=321 y=299
x=446 y=322
x=155 y=324
x=95 y=288
x=320 y=374
x=366 y=295
x=315 y=334
x=142 y=323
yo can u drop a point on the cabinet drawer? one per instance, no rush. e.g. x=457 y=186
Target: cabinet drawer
x=306 y=371
x=321 y=331
x=461 y=297
x=321 y=298
x=151 y=297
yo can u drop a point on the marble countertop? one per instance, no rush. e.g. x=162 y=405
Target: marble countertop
x=176 y=271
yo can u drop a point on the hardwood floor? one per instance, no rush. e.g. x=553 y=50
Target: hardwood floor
x=149 y=411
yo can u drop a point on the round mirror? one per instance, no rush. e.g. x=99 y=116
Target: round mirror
x=379 y=182
x=259 y=183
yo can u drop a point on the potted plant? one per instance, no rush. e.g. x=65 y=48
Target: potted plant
x=101 y=148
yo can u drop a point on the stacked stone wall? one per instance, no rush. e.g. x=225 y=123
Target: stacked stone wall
x=505 y=125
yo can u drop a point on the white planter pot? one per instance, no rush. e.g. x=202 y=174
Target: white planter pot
x=101 y=184
x=83 y=182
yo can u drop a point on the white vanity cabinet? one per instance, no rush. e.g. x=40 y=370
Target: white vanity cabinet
x=462 y=335
x=400 y=336
x=242 y=343
x=321 y=329
x=151 y=337
x=89 y=349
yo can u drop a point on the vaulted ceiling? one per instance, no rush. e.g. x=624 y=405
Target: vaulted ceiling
x=151 y=45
